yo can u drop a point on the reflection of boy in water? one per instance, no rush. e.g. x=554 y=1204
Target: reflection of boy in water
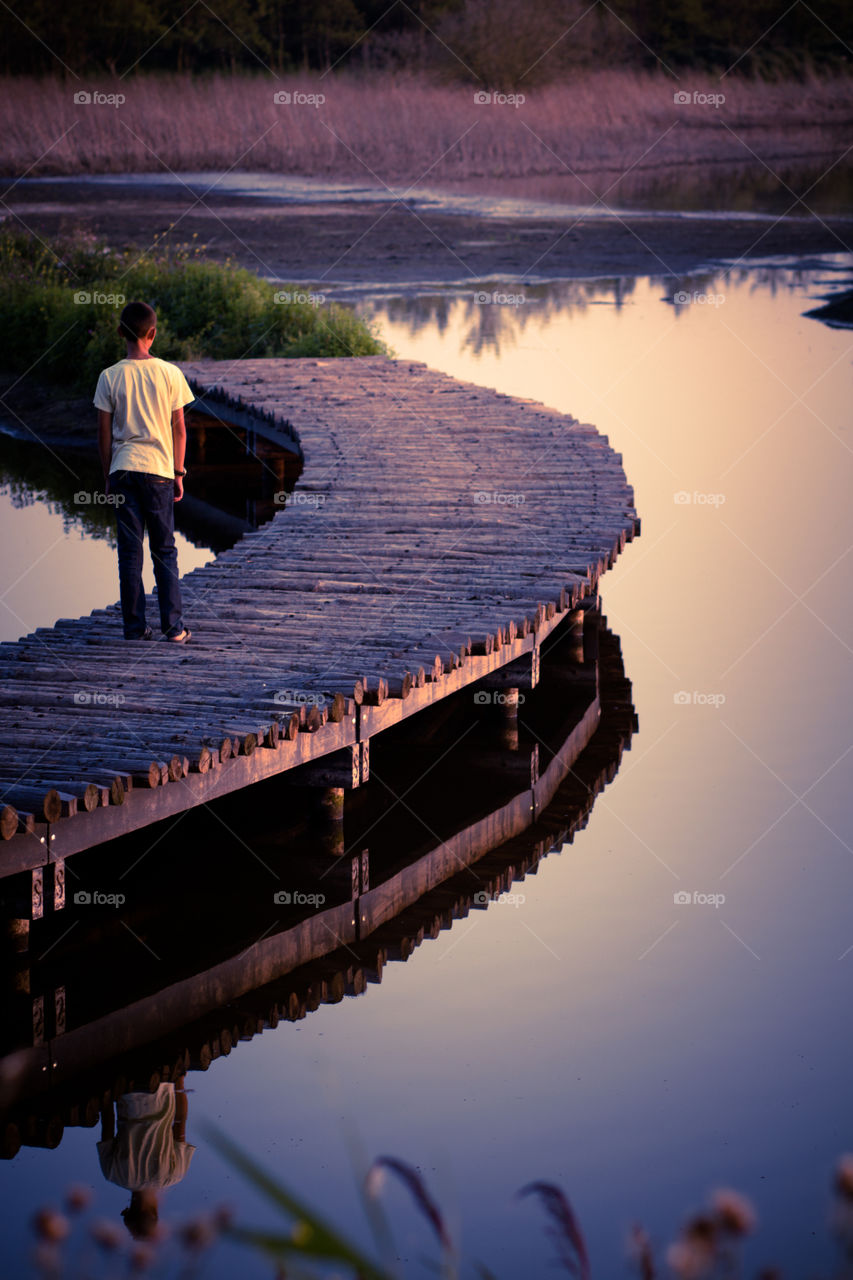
x=147 y=1152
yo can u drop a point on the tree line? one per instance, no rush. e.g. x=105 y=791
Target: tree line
x=496 y=43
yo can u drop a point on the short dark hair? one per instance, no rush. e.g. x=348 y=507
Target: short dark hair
x=137 y=320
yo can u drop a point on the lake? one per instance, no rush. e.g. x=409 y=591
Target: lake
x=637 y=1049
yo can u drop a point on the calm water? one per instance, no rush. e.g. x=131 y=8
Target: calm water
x=750 y=190
x=637 y=1051
x=70 y=563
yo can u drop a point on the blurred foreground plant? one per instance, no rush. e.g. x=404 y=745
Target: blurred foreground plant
x=309 y=1247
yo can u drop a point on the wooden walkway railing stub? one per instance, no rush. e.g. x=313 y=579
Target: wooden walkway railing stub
x=438 y=532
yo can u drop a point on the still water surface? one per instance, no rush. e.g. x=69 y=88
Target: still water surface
x=636 y=1051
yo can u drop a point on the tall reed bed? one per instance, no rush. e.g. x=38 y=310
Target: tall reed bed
x=399 y=128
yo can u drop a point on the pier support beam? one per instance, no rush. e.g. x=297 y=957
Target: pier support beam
x=522 y=674
x=508 y=711
x=21 y=902
x=341 y=770
x=328 y=806
x=507 y=689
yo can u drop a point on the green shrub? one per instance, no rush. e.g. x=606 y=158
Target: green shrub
x=204 y=309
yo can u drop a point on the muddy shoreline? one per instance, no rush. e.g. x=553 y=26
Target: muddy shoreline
x=348 y=247
x=353 y=245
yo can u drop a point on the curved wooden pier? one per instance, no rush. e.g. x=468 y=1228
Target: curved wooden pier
x=438 y=533
x=69 y=1045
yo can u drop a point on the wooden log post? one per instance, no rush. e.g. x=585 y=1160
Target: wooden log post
x=501 y=700
x=17 y=934
x=522 y=674
x=21 y=902
x=44 y=1131
x=328 y=817
x=10 y=1140
x=573 y=650
x=574 y=636
x=591 y=631
x=328 y=810
x=508 y=731
x=45 y=803
x=8 y=821
x=201 y=1059
x=343 y=769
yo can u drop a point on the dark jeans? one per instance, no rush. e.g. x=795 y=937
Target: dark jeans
x=149 y=502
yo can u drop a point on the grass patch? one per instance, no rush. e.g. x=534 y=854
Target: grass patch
x=60 y=303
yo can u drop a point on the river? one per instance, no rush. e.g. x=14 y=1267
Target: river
x=637 y=1049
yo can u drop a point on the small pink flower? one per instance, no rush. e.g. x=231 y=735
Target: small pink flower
x=106 y=1235
x=689 y=1261
x=78 y=1198
x=50 y=1226
x=844 y=1177
x=48 y=1259
x=198 y=1233
x=734 y=1212
x=223 y=1216
x=141 y=1258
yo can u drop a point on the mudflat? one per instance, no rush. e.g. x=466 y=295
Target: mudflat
x=393 y=243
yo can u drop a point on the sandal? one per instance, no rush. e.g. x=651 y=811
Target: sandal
x=181 y=638
x=147 y=634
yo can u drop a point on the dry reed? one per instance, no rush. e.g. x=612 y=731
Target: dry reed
x=395 y=128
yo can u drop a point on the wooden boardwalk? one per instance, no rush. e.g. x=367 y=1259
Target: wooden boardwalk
x=71 y=1050
x=438 y=533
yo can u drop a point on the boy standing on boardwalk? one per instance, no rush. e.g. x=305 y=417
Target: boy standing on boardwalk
x=142 y=440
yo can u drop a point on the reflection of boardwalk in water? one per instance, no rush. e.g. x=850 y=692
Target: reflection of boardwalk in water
x=580 y=720
x=439 y=533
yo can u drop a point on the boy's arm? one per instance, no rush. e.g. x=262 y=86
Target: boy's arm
x=179 y=447
x=105 y=441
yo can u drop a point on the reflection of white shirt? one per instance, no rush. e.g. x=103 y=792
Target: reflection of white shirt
x=144 y=1154
x=141 y=395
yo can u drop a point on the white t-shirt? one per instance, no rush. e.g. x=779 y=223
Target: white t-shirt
x=141 y=395
x=144 y=1153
